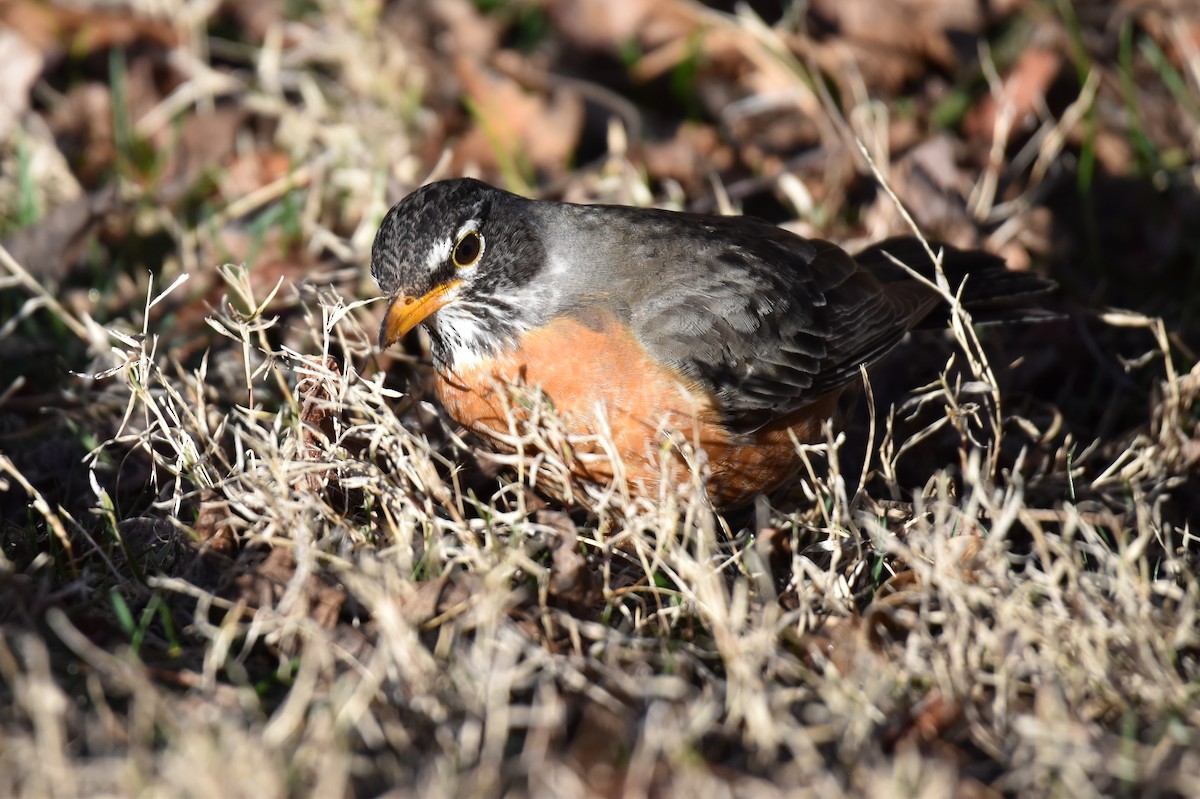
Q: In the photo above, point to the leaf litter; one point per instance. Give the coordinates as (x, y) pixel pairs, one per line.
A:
(245, 553)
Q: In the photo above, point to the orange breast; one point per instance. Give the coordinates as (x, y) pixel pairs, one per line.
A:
(599, 377)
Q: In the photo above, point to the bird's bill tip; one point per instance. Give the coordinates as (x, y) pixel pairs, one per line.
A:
(404, 312)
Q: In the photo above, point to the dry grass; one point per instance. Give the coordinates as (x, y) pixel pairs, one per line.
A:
(317, 587)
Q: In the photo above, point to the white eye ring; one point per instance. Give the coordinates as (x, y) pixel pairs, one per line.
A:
(468, 249)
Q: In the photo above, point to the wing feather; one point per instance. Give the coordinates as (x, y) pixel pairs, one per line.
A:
(768, 322)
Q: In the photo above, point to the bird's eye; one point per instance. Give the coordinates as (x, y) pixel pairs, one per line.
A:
(467, 249)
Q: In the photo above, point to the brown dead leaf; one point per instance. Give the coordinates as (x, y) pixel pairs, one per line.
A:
(218, 564)
(1173, 24)
(216, 526)
(925, 724)
(51, 246)
(213, 542)
(597, 748)
(891, 42)
(606, 26)
(448, 594)
(1024, 91)
(1114, 151)
(897, 584)
(251, 171)
(56, 29)
(254, 20)
(512, 126)
(204, 143)
(82, 123)
(467, 31)
(933, 188)
(840, 642)
(572, 579)
(691, 156)
(767, 138)
(515, 127)
(967, 551)
(266, 582)
(733, 62)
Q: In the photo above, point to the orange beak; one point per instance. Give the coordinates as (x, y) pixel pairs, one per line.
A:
(404, 313)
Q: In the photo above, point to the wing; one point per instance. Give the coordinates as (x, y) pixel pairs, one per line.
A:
(768, 322)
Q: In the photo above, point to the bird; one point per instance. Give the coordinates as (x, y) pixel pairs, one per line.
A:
(640, 323)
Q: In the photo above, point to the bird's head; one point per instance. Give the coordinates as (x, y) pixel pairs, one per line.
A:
(459, 256)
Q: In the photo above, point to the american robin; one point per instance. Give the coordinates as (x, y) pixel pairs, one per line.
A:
(633, 321)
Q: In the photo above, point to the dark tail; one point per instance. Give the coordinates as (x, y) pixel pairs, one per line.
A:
(993, 293)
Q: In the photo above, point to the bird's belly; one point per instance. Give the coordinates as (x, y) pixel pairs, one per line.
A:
(610, 395)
